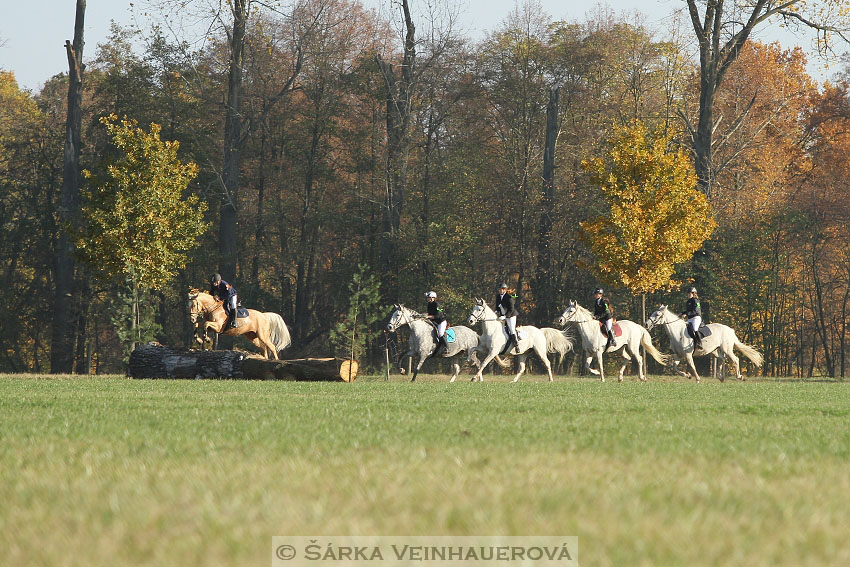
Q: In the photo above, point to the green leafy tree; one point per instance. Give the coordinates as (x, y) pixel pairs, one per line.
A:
(138, 224)
(655, 218)
(354, 329)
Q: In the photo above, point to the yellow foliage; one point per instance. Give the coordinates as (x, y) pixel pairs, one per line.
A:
(656, 217)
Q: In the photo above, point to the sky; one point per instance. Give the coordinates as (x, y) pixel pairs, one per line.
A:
(33, 33)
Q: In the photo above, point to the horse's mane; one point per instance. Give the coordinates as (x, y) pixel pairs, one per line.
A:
(583, 310)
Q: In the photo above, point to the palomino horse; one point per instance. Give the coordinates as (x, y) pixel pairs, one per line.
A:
(421, 343)
(719, 344)
(267, 331)
(593, 341)
(493, 340)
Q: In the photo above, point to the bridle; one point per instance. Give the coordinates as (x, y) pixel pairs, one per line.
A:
(194, 312)
(661, 319)
(407, 317)
(480, 318)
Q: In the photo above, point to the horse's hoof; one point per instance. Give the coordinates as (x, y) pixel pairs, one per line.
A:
(401, 370)
(619, 379)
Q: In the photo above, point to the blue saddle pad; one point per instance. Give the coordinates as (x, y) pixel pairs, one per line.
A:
(241, 312)
(450, 335)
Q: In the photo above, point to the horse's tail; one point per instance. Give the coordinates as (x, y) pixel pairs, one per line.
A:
(557, 341)
(278, 333)
(646, 342)
(752, 354)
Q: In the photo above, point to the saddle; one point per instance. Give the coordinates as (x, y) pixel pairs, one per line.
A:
(615, 328)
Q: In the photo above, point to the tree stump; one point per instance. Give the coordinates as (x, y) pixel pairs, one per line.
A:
(301, 369)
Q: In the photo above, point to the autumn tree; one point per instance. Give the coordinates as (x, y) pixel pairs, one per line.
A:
(654, 217)
(138, 224)
(721, 30)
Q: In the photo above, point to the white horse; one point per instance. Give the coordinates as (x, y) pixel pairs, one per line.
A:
(493, 340)
(593, 341)
(719, 344)
(421, 343)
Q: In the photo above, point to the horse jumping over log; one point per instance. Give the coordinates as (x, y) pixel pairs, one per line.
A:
(720, 343)
(267, 331)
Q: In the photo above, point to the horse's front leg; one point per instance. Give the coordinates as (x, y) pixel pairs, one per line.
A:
(587, 366)
(402, 369)
(602, 365)
(691, 366)
(478, 375)
(422, 359)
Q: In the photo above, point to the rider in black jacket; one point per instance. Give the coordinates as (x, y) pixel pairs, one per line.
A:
(602, 312)
(505, 307)
(435, 314)
(227, 294)
(694, 314)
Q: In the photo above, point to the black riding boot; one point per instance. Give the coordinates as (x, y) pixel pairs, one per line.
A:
(515, 341)
(442, 345)
(231, 321)
(610, 335)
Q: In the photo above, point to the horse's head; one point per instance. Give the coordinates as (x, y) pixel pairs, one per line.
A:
(479, 312)
(401, 316)
(657, 317)
(568, 314)
(197, 304)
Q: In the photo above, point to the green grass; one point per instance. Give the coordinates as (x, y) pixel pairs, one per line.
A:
(110, 471)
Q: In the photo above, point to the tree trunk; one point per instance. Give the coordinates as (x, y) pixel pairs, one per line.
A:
(62, 343)
(399, 94)
(232, 141)
(544, 293)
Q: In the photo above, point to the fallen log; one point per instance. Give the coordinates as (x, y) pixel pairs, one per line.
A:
(301, 369)
(153, 360)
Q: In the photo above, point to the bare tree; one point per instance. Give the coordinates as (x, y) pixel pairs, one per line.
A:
(64, 328)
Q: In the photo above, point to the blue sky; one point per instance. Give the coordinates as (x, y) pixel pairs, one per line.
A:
(34, 32)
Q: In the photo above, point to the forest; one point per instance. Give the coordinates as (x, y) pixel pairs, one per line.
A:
(347, 160)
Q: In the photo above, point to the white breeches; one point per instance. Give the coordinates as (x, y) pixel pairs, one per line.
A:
(609, 324)
(510, 323)
(441, 328)
(695, 323)
(232, 303)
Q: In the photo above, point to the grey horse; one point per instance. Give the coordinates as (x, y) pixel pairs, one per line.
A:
(422, 345)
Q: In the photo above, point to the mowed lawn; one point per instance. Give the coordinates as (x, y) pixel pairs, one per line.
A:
(111, 471)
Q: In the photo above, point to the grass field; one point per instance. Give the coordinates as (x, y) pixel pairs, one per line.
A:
(110, 471)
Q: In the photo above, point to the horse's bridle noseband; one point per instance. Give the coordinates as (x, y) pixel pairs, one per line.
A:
(406, 318)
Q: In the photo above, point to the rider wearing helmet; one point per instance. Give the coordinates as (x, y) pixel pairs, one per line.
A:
(436, 315)
(694, 314)
(226, 293)
(505, 308)
(602, 312)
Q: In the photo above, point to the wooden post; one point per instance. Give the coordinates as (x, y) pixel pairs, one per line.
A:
(387, 353)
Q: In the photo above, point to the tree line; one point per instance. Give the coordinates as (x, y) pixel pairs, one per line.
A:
(348, 160)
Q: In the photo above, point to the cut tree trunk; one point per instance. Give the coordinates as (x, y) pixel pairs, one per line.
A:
(153, 360)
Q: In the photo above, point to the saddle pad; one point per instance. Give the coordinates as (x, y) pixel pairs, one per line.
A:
(241, 312)
(704, 331)
(520, 334)
(450, 335)
(616, 328)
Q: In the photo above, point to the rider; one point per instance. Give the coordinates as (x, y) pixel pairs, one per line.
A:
(435, 314)
(694, 314)
(602, 312)
(226, 293)
(506, 310)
